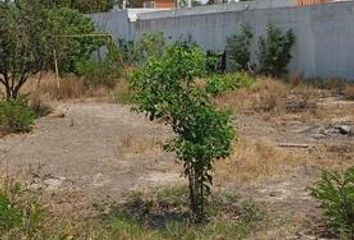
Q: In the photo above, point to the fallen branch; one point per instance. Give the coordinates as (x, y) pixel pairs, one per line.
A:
(293, 145)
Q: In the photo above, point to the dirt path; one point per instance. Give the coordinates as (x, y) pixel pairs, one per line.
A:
(92, 149)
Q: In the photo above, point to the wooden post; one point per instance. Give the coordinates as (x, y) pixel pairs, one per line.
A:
(56, 68)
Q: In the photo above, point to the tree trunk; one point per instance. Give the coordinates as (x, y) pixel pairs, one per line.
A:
(192, 192)
(196, 194)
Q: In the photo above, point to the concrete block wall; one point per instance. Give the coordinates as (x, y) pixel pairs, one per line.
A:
(325, 33)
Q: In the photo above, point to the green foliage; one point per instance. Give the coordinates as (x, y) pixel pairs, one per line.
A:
(335, 192)
(83, 6)
(21, 215)
(149, 45)
(166, 88)
(73, 38)
(274, 50)
(219, 84)
(10, 214)
(238, 49)
(215, 62)
(24, 43)
(16, 116)
(103, 72)
(30, 33)
(99, 74)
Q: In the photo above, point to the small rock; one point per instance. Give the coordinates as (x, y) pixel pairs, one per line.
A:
(53, 183)
(345, 129)
(318, 136)
(35, 186)
(274, 194)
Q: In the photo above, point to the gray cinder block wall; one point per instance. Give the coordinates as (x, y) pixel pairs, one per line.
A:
(325, 33)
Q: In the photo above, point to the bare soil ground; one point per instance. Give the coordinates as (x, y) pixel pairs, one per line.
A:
(99, 151)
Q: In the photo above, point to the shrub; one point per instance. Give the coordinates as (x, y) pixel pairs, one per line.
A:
(219, 84)
(99, 74)
(335, 192)
(215, 62)
(71, 46)
(166, 88)
(149, 45)
(16, 116)
(274, 50)
(238, 49)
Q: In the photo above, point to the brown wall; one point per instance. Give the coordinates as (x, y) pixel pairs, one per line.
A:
(311, 2)
(165, 4)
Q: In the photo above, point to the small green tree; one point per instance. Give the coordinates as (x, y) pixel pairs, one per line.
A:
(275, 50)
(29, 32)
(238, 49)
(335, 192)
(24, 44)
(166, 88)
(72, 38)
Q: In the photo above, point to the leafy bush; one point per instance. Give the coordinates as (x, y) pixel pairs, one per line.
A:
(166, 88)
(16, 116)
(238, 49)
(274, 50)
(335, 192)
(219, 84)
(149, 45)
(98, 74)
(71, 46)
(215, 62)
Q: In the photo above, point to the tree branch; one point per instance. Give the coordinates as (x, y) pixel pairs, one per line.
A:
(20, 83)
(2, 80)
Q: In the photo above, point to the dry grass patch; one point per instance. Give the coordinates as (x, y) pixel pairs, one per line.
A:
(122, 93)
(254, 161)
(49, 88)
(271, 95)
(71, 87)
(349, 91)
(133, 144)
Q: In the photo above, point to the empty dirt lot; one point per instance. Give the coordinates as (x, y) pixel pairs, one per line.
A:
(88, 152)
